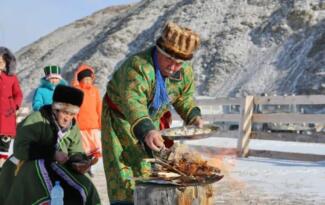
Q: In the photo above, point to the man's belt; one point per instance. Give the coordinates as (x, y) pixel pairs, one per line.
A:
(110, 104)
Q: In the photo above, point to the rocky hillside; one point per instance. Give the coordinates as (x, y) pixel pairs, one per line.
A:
(248, 46)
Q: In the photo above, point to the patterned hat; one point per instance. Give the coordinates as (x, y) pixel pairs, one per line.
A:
(178, 42)
(52, 71)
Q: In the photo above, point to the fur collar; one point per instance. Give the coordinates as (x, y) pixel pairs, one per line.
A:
(11, 65)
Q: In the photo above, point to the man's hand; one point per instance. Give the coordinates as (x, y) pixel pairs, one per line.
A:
(198, 122)
(61, 157)
(154, 140)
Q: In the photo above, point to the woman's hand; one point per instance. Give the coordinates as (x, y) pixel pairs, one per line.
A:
(154, 140)
(61, 157)
(81, 167)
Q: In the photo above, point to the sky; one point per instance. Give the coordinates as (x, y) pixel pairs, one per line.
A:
(24, 21)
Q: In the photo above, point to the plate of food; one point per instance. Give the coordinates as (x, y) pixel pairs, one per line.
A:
(183, 168)
(189, 132)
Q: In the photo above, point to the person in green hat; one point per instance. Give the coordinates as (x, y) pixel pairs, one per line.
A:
(43, 94)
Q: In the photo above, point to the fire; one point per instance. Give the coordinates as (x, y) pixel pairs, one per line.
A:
(225, 160)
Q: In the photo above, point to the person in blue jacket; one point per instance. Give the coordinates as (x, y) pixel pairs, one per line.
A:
(43, 94)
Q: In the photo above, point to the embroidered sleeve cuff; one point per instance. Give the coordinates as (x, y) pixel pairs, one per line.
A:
(194, 113)
(142, 127)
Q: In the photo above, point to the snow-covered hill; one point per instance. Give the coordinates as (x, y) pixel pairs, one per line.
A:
(248, 46)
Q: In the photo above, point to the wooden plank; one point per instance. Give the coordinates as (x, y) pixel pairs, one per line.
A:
(213, 151)
(286, 155)
(245, 126)
(219, 101)
(222, 117)
(289, 137)
(289, 118)
(233, 134)
(295, 100)
(270, 100)
(320, 73)
(216, 118)
(275, 117)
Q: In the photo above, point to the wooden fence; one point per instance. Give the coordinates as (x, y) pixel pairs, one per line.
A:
(248, 116)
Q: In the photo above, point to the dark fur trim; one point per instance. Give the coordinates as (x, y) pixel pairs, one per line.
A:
(10, 60)
(68, 94)
(84, 73)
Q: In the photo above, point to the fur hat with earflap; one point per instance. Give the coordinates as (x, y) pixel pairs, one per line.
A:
(67, 98)
(83, 70)
(85, 73)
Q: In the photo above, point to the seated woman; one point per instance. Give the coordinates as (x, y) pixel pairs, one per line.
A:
(46, 142)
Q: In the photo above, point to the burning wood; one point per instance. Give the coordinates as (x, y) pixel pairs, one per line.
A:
(197, 169)
(185, 168)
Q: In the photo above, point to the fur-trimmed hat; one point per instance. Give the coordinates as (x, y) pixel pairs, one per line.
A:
(178, 42)
(67, 98)
(85, 73)
(52, 71)
(10, 60)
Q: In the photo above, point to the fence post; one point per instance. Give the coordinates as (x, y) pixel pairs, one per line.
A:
(245, 126)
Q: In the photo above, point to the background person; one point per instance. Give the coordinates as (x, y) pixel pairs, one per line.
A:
(89, 117)
(44, 93)
(10, 101)
(47, 141)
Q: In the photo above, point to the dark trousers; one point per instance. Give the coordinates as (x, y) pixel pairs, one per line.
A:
(4, 146)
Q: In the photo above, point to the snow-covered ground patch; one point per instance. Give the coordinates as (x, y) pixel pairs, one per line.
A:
(271, 181)
(256, 180)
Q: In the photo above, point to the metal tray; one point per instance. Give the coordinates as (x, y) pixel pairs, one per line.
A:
(178, 182)
(175, 133)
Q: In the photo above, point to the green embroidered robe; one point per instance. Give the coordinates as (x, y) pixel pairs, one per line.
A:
(132, 89)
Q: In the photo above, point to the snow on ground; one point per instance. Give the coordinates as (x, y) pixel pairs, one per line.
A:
(271, 181)
(263, 181)
(256, 180)
(260, 181)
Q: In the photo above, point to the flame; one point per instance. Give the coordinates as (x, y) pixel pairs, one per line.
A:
(225, 160)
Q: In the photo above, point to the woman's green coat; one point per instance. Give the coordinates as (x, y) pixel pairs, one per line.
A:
(30, 180)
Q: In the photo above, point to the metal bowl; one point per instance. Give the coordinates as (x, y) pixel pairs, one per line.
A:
(189, 132)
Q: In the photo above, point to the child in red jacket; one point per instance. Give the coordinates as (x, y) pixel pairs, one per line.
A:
(89, 117)
(10, 101)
